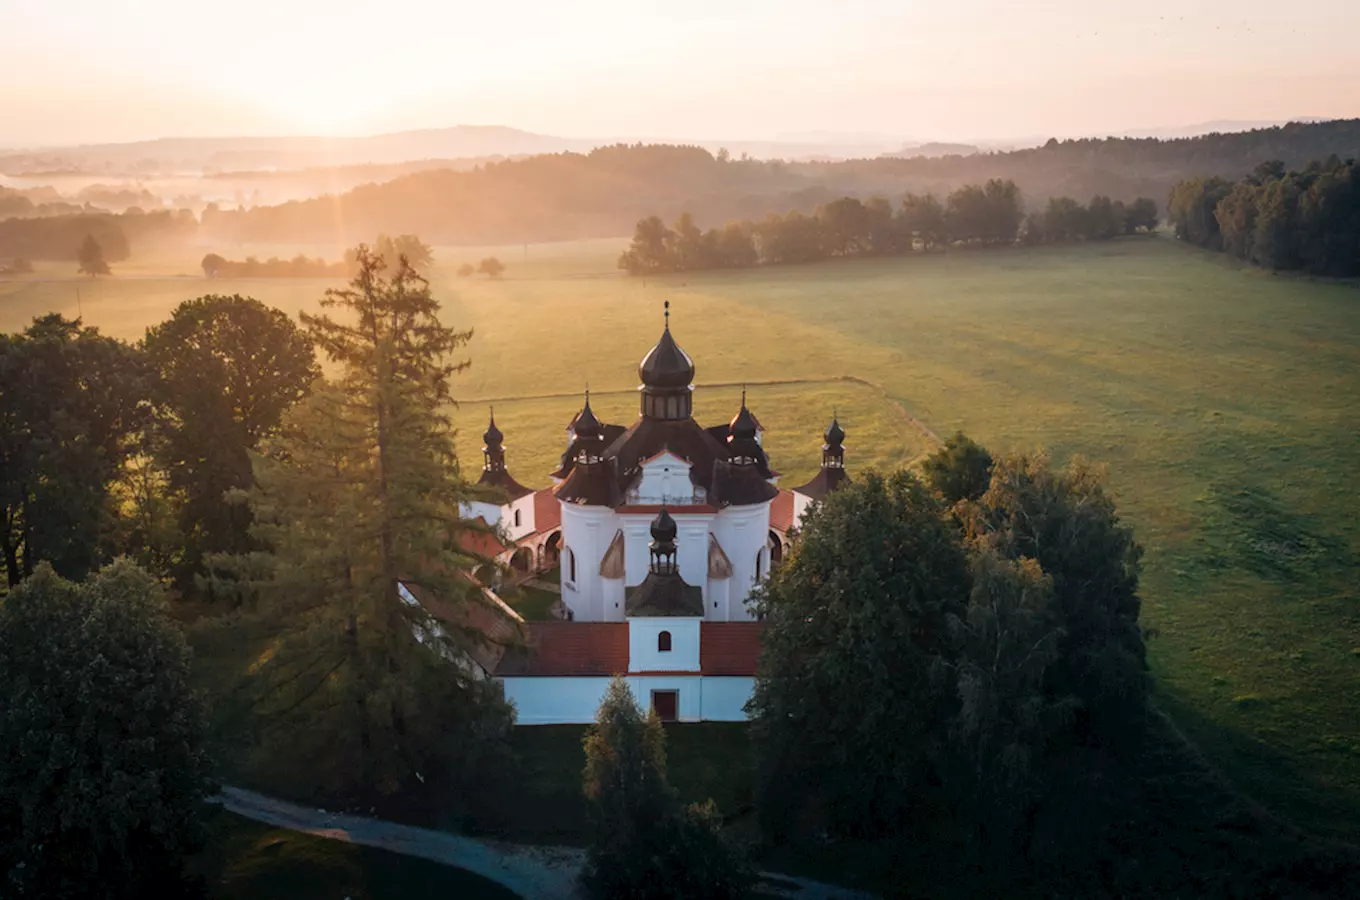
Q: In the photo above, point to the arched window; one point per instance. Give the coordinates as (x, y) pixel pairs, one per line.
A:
(516, 518)
(663, 642)
(760, 558)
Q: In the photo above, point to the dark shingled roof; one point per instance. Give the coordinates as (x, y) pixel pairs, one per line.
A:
(591, 484)
(501, 479)
(826, 480)
(663, 595)
(739, 485)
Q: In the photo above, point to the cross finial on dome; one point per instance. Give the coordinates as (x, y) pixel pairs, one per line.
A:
(667, 307)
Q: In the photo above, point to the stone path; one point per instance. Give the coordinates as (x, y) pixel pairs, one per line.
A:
(535, 873)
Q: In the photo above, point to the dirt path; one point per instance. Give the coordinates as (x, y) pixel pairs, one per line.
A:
(535, 873)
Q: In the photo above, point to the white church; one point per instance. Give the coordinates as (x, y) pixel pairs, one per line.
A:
(661, 529)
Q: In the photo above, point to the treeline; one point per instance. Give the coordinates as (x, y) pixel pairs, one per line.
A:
(38, 203)
(605, 192)
(990, 214)
(1289, 220)
(59, 237)
(300, 266)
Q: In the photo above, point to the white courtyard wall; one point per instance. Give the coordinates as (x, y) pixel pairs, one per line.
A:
(574, 700)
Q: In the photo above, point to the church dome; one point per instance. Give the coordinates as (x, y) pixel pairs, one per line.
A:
(492, 437)
(664, 528)
(743, 425)
(587, 426)
(834, 433)
(666, 365)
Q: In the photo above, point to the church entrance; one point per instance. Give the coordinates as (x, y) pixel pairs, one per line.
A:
(666, 705)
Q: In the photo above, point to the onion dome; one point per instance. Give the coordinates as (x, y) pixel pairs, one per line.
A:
(666, 365)
(492, 437)
(587, 426)
(835, 435)
(743, 425)
(664, 528)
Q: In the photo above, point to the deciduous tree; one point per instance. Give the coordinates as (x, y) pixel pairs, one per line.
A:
(960, 470)
(103, 771)
(71, 408)
(91, 258)
(852, 698)
(228, 368)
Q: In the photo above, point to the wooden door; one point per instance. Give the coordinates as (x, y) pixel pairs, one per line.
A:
(666, 705)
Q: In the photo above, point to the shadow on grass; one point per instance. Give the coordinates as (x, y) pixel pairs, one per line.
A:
(1266, 776)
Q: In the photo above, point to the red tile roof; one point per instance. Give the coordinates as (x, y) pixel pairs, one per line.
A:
(572, 648)
(480, 543)
(729, 648)
(547, 511)
(781, 511)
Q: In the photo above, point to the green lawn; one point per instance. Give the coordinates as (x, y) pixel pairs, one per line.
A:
(1224, 402)
(245, 860)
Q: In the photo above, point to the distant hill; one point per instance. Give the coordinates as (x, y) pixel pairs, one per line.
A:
(255, 153)
(933, 149)
(604, 192)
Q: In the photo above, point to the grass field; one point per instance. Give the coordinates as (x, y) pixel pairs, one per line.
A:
(1224, 402)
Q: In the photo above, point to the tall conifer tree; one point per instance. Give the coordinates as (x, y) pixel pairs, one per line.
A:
(359, 500)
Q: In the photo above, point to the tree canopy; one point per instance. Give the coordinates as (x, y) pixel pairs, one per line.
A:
(646, 845)
(91, 258)
(103, 770)
(71, 407)
(851, 696)
(357, 501)
(227, 369)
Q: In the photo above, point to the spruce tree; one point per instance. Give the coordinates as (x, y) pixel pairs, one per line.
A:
(646, 845)
(358, 499)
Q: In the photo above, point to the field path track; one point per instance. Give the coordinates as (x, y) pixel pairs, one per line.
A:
(765, 382)
(533, 872)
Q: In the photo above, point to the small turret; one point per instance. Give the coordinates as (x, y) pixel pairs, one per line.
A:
(493, 449)
(664, 531)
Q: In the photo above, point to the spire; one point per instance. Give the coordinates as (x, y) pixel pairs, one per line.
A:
(664, 531)
(589, 434)
(833, 451)
(666, 373)
(743, 447)
(493, 450)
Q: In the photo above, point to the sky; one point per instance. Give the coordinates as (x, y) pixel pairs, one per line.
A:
(89, 71)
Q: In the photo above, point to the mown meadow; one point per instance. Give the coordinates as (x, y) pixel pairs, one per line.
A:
(1223, 401)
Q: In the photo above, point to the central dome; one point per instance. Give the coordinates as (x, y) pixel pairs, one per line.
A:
(666, 365)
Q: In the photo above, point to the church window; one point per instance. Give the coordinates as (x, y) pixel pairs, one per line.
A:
(571, 564)
(759, 556)
(663, 642)
(516, 518)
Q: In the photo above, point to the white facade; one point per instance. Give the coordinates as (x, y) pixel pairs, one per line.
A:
(574, 700)
(516, 517)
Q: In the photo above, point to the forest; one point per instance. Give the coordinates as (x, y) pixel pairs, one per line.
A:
(606, 191)
(1306, 220)
(986, 215)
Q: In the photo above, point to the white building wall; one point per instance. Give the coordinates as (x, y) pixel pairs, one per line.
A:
(586, 532)
(489, 513)
(742, 532)
(643, 655)
(800, 504)
(612, 593)
(574, 700)
(525, 507)
(723, 698)
(717, 606)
